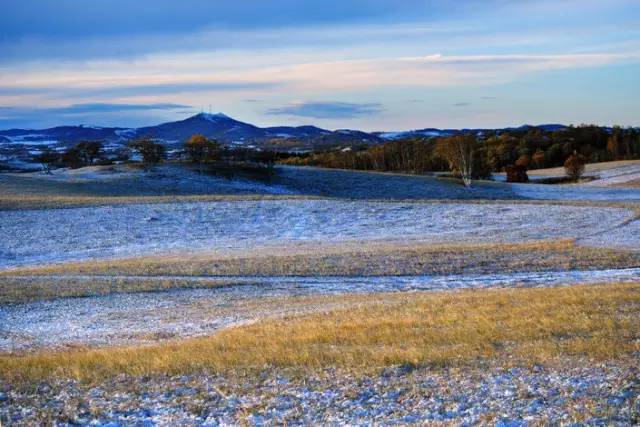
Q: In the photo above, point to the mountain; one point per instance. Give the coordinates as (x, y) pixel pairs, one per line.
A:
(18, 146)
(218, 126)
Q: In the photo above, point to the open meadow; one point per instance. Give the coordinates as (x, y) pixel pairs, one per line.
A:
(319, 213)
(319, 296)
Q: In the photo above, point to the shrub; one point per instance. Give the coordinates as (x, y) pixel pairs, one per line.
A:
(574, 165)
(516, 173)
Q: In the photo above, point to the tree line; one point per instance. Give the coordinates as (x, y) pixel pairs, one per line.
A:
(467, 155)
(476, 155)
(198, 149)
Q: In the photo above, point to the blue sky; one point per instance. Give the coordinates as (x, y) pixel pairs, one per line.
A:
(366, 64)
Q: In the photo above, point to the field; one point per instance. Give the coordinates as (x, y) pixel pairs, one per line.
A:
(623, 173)
(320, 296)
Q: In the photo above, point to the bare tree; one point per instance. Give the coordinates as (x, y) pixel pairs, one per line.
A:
(458, 151)
(89, 151)
(152, 153)
(47, 158)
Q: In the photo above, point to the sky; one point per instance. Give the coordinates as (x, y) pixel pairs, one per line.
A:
(373, 65)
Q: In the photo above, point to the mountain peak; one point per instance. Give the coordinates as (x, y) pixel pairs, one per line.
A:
(212, 117)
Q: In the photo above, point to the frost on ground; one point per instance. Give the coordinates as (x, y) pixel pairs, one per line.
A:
(605, 174)
(140, 318)
(143, 317)
(583, 393)
(39, 236)
(625, 173)
(574, 192)
(376, 185)
(125, 181)
(595, 394)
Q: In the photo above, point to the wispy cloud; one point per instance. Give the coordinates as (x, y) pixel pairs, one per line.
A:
(93, 108)
(57, 54)
(90, 113)
(461, 104)
(108, 89)
(228, 73)
(327, 110)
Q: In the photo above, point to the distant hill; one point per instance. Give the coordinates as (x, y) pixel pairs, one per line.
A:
(19, 145)
(218, 126)
(430, 132)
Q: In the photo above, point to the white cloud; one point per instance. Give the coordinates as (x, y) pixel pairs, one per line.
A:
(202, 72)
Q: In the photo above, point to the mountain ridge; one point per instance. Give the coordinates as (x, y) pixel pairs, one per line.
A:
(227, 128)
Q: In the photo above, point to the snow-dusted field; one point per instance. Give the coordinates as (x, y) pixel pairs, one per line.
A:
(617, 176)
(176, 180)
(606, 174)
(574, 192)
(40, 236)
(32, 237)
(121, 180)
(143, 317)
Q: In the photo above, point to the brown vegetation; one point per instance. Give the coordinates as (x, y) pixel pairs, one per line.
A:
(574, 166)
(496, 150)
(437, 329)
(371, 259)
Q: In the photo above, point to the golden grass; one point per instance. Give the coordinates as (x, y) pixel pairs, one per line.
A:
(370, 258)
(435, 329)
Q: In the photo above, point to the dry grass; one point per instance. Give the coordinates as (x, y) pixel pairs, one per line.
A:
(629, 184)
(591, 168)
(26, 289)
(370, 259)
(436, 329)
(44, 201)
(36, 200)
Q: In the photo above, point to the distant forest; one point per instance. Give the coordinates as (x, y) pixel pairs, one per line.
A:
(533, 148)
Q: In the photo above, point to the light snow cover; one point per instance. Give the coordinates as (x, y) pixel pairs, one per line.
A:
(617, 176)
(132, 318)
(604, 174)
(213, 117)
(165, 180)
(36, 142)
(39, 236)
(574, 192)
(21, 138)
(126, 133)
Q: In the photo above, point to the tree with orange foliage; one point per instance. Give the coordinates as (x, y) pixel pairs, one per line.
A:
(574, 165)
(201, 150)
